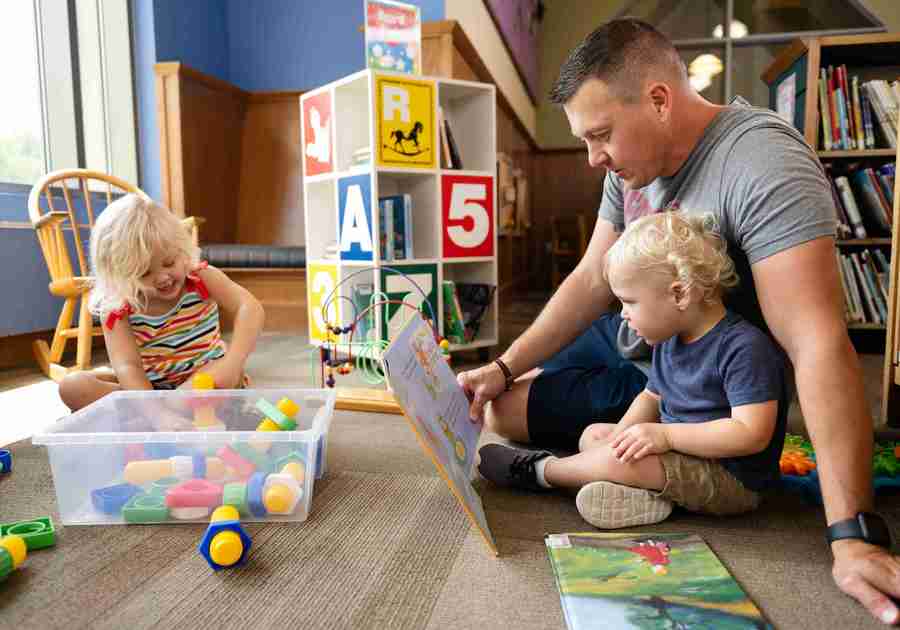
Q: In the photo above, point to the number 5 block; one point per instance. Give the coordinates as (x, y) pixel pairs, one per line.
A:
(467, 211)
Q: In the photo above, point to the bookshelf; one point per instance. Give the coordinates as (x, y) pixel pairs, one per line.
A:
(452, 211)
(797, 70)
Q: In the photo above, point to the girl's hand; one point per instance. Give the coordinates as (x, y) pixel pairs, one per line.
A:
(647, 438)
(226, 373)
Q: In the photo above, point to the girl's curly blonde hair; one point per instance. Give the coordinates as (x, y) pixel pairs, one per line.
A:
(686, 247)
(124, 240)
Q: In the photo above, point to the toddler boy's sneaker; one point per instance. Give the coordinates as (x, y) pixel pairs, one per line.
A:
(609, 505)
(511, 467)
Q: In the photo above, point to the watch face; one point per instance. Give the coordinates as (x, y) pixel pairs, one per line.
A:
(875, 529)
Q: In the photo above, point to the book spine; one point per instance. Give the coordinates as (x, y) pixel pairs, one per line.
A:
(872, 313)
(843, 186)
(856, 298)
(408, 226)
(824, 114)
(867, 119)
(835, 118)
(877, 295)
(848, 109)
(857, 116)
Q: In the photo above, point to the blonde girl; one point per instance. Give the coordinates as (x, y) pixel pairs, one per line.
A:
(158, 304)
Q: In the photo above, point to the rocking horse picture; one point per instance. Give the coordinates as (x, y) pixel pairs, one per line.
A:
(398, 138)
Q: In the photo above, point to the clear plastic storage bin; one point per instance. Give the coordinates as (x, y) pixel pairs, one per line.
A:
(174, 456)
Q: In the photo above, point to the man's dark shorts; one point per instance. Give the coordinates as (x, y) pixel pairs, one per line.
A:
(586, 382)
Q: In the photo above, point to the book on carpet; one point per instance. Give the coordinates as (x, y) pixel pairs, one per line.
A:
(629, 580)
(438, 412)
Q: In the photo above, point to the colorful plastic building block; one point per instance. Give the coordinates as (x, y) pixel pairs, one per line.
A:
(281, 493)
(205, 418)
(255, 494)
(37, 533)
(242, 466)
(111, 499)
(5, 461)
(194, 493)
(281, 414)
(146, 508)
(235, 494)
(182, 466)
(13, 552)
(225, 543)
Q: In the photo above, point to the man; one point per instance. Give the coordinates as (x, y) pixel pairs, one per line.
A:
(626, 94)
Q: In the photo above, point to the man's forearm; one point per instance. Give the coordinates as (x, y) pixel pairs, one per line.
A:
(580, 299)
(829, 384)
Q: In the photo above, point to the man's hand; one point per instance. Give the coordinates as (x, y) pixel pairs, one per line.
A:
(646, 438)
(481, 386)
(870, 575)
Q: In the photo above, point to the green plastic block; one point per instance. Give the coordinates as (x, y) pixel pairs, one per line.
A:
(6, 564)
(37, 533)
(262, 462)
(161, 485)
(274, 413)
(146, 508)
(236, 494)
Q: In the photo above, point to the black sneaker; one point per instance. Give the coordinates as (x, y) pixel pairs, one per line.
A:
(511, 467)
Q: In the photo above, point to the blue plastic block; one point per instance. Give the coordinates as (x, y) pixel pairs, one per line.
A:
(5, 461)
(111, 499)
(254, 494)
(199, 466)
(215, 528)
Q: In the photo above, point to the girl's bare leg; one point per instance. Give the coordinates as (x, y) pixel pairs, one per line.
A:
(80, 389)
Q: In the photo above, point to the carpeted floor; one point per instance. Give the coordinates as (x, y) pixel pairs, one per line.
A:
(385, 546)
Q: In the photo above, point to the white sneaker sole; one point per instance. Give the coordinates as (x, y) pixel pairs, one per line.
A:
(609, 505)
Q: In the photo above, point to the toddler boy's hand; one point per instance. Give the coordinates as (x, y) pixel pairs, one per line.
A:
(647, 438)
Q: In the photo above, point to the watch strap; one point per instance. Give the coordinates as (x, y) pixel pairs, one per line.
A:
(507, 373)
(865, 526)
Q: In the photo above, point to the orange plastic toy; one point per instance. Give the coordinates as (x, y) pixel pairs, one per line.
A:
(796, 463)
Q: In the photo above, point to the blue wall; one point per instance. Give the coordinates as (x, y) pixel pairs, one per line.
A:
(195, 32)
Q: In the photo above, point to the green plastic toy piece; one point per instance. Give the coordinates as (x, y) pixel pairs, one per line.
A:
(146, 508)
(37, 533)
(160, 486)
(6, 564)
(236, 494)
(275, 415)
(262, 462)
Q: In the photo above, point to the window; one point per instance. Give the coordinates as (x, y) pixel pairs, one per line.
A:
(70, 101)
(21, 122)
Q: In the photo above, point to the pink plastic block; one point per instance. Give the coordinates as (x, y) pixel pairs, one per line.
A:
(243, 467)
(194, 493)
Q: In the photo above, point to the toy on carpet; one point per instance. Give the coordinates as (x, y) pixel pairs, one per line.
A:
(368, 355)
(13, 552)
(5, 461)
(37, 533)
(225, 544)
(799, 474)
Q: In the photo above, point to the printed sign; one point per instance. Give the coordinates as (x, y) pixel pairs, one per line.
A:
(320, 282)
(393, 37)
(405, 117)
(467, 211)
(355, 216)
(317, 147)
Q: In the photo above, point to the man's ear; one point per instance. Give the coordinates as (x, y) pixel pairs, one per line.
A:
(660, 99)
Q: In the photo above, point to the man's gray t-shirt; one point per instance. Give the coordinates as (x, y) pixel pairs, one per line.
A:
(757, 176)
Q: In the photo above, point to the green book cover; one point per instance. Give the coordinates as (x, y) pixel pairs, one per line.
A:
(627, 580)
(454, 329)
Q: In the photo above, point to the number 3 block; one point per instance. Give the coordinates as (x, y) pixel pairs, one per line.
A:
(467, 211)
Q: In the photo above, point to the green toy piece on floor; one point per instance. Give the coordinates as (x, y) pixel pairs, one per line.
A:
(37, 533)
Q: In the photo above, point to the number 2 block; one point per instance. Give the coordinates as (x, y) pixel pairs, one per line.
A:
(467, 215)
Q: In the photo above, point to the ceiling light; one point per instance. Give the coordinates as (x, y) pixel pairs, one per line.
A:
(700, 83)
(738, 30)
(707, 65)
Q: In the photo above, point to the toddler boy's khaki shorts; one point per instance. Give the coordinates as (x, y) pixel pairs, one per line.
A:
(704, 485)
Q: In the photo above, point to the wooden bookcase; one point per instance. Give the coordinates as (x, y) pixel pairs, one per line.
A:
(874, 56)
(454, 231)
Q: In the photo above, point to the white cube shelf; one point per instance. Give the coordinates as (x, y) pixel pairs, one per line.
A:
(375, 134)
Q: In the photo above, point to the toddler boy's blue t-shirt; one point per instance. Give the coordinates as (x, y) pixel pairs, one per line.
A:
(733, 364)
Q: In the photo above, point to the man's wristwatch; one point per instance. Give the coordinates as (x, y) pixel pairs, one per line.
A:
(865, 526)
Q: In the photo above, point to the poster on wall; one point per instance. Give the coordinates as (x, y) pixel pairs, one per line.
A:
(393, 36)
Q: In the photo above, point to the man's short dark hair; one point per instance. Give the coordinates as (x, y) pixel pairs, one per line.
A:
(619, 53)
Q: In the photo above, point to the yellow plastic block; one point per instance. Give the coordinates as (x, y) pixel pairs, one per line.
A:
(148, 470)
(226, 548)
(215, 469)
(288, 407)
(224, 513)
(16, 547)
(205, 416)
(295, 470)
(281, 493)
(268, 425)
(202, 380)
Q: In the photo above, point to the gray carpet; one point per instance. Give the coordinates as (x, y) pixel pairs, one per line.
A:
(386, 546)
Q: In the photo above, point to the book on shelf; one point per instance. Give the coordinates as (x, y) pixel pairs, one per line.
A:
(454, 326)
(864, 199)
(396, 227)
(446, 160)
(856, 114)
(873, 203)
(474, 300)
(850, 207)
(865, 279)
(451, 144)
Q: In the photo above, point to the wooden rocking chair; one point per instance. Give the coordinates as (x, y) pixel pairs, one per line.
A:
(52, 227)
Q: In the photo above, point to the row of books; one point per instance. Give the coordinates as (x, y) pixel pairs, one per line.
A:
(465, 304)
(865, 278)
(854, 114)
(864, 199)
(450, 158)
(396, 227)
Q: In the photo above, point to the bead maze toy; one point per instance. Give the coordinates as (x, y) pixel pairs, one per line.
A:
(340, 355)
(799, 474)
(225, 544)
(13, 552)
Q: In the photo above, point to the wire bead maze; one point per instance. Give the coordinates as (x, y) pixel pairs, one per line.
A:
(368, 355)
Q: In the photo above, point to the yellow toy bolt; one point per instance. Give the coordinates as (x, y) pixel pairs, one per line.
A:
(13, 552)
(225, 543)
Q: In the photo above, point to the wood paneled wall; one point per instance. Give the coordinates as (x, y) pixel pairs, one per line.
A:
(230, 156)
